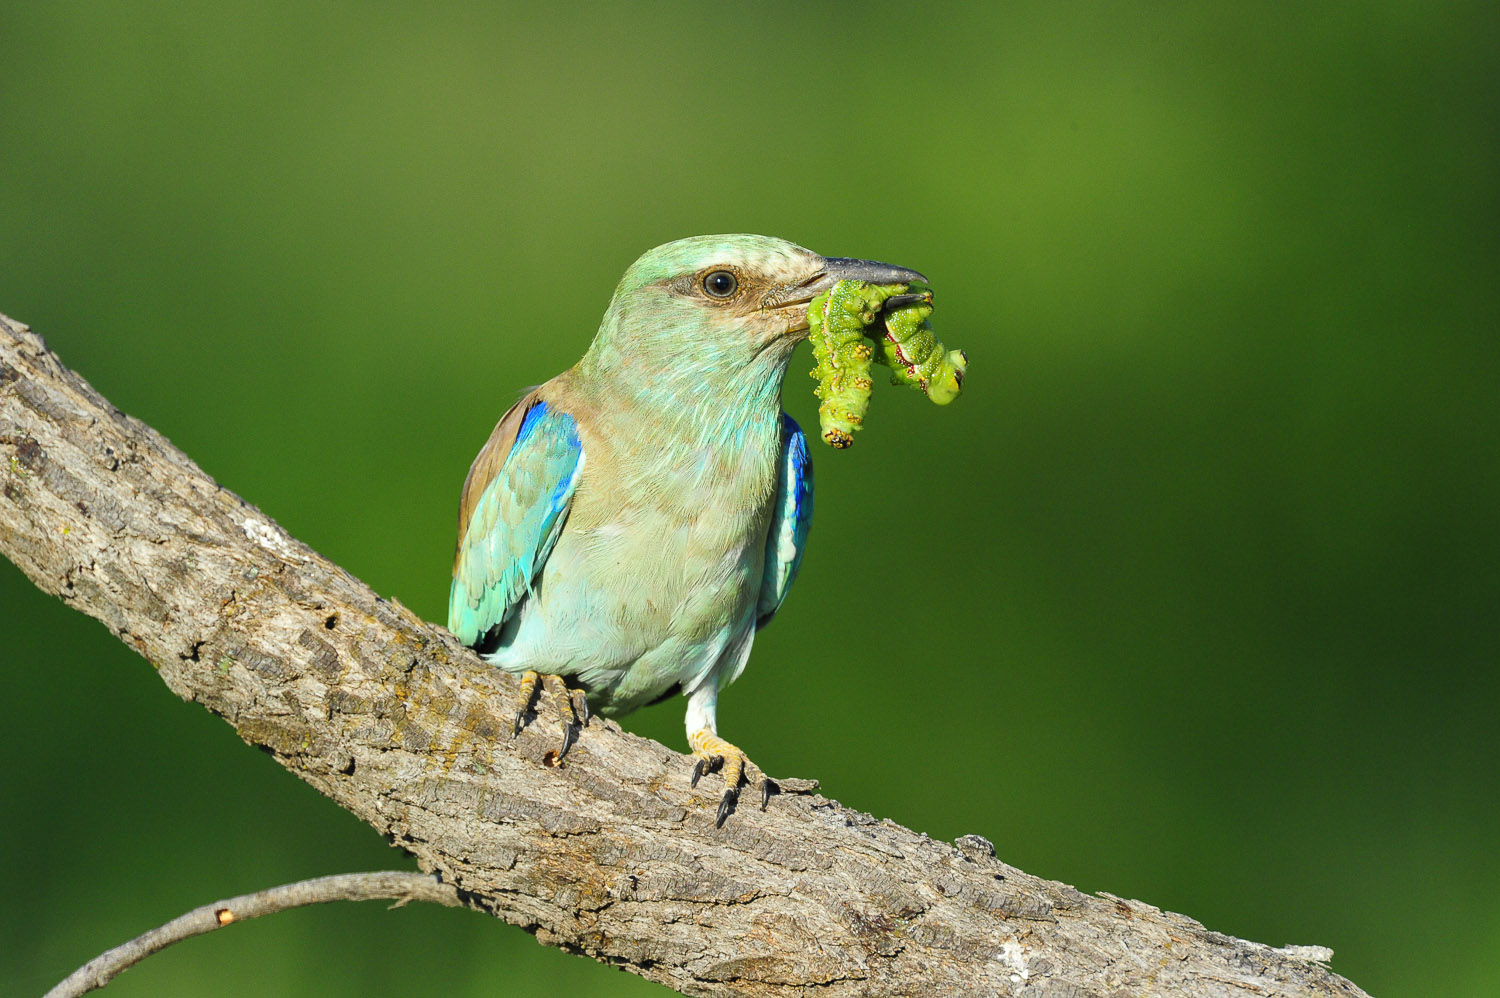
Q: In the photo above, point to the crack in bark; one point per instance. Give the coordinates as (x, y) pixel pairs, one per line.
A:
(611, 855)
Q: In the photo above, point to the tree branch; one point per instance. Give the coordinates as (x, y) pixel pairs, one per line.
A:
(398, 885)
(609, 854)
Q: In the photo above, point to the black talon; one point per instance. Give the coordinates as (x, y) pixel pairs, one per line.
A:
(699, 768)
(765, 793)
(516, 730)
(567, 733)
(726, 806)
(581, 707)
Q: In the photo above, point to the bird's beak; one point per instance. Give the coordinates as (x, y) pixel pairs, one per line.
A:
(841, 268)
(835, 269)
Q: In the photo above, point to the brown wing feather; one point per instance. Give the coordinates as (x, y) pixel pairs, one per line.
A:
(490, 460)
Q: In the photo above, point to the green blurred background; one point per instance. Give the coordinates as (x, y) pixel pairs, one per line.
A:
(1204, 605)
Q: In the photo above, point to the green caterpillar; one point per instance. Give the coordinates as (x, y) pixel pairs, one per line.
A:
(916, 356)
(836, 325)
(839, 322)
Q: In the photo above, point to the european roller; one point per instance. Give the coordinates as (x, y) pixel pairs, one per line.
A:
(632, 523)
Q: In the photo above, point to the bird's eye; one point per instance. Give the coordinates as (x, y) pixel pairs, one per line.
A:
(720, 284)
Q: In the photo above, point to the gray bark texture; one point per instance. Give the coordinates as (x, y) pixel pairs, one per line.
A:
(609, 854)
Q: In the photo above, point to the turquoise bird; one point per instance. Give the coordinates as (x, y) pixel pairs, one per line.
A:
(633, 522)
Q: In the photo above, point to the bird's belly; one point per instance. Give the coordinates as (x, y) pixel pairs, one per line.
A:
(638, 606)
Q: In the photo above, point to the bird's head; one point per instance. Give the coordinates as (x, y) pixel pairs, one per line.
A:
(727, 300)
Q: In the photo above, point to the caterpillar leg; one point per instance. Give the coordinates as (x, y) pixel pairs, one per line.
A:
(712, 751)
(576, 716)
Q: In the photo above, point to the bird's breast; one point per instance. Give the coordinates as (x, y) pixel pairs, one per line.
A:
(676, 534)
(659, 566)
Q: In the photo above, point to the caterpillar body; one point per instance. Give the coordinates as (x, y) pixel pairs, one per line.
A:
(915, 355)
(839, 324)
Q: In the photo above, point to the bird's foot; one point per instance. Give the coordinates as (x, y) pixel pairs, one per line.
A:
(712, 751)
(576, 717)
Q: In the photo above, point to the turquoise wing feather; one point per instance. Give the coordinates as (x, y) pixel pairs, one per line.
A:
(787, 538)
(515, 520)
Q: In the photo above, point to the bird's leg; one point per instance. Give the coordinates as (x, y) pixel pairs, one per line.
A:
(577, 715)
(578, 705)
(712, 751)
(524, 700)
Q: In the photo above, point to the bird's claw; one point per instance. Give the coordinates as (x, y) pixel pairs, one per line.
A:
(727, 805)
(576, 717)
(713, 752)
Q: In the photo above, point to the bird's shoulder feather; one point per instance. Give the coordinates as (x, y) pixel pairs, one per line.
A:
(514, 505)
(490, 459)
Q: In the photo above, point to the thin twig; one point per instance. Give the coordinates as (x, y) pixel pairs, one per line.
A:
(397, 885)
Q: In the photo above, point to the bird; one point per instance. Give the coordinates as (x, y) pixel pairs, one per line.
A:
(631, 524)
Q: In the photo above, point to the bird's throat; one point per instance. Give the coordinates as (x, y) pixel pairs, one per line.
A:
(705, 398)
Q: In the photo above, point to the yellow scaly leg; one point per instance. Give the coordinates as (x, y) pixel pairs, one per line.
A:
(711, 750)
(578, 705)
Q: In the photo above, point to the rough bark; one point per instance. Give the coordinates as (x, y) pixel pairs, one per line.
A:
(609, 854)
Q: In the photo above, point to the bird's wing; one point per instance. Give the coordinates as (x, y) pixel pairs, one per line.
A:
(515, 502)
(787, 538)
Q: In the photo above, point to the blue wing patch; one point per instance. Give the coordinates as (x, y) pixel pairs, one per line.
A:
(787, 538)
(515, 522)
